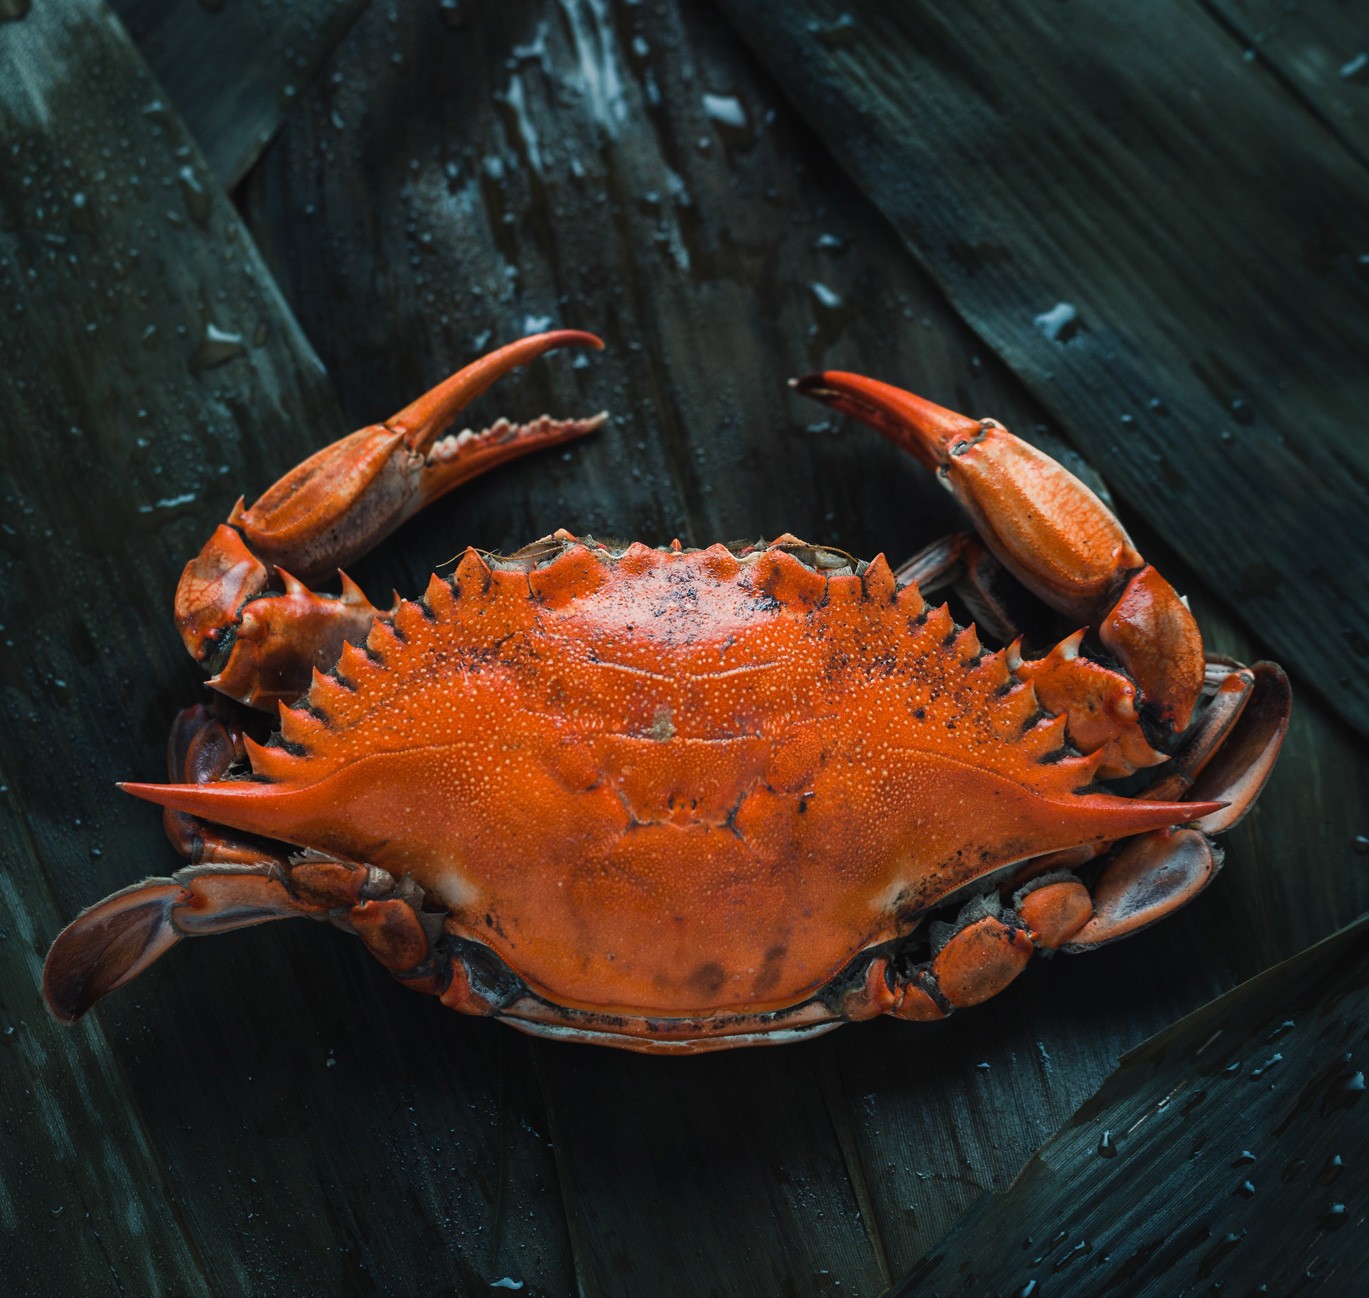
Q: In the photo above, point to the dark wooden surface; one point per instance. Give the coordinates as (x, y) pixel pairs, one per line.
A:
(234, 68)
(267, 1112)
(1237, 1126)
(1129, 161)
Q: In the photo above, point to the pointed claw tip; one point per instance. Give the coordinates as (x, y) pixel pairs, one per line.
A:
(920, 426)
(422, 421)
(553, 338)
(1201, 810)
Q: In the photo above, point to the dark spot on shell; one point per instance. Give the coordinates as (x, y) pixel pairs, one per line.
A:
(709, 977)
(770, 970)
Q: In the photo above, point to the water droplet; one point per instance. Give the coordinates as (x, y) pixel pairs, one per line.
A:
(1246, 1189)
(1334, 1217)
(830, 243)
(836, 34)
(1217, 1253)
(1357, 69)
(169, 507)
(197, 200)
(1060, 323)
(1081, 1249)
(1243, 1159)
(825, 296)
(1106, 1149)
(1360, 843)
(217, 347)
(1343, 1096)
(726, 110)
(1330, 1169)
(82, 215)
(1027, 1290)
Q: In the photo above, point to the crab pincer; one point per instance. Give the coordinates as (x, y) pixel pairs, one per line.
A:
(1046, 528)
(1051, 532)
(242, 606)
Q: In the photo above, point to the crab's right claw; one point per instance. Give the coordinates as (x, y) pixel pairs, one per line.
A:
(1048, 529)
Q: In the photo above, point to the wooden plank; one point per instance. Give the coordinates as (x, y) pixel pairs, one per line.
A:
(943, 1115)
(82, 1197)
(261, 1112)
(307, 1126)
(1124, 161)
(1234, 1150)
(234, 68)
(1321, 51)
(694, 246)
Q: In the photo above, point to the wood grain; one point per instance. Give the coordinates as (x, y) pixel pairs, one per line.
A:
(234, 68)
(221, 1128)
(267, 1112)
(1229, 1152)
(1319, 51)
(1127, 162)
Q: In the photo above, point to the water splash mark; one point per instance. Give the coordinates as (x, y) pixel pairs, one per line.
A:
(1060, 323)
(600, 81)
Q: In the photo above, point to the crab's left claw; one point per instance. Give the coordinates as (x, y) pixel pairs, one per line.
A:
(242, 607)
(1049, 530)
(346, 498)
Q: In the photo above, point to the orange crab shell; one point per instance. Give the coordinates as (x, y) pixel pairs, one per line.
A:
(672, 783)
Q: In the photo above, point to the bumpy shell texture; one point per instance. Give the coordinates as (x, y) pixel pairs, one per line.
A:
(674, 782)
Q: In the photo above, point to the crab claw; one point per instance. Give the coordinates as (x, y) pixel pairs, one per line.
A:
(1048, 529)
(242, 606)
(347, 497)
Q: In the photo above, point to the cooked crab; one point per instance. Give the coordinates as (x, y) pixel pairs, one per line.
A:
(673, 799)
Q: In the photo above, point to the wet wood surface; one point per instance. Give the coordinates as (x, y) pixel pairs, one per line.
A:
(1237, 1126)
(1163, 244)
(1320, 52)
(233, 73)
(267, 1112)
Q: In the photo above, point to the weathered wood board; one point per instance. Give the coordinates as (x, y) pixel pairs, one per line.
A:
(1227, 1153)
(1320, 51)
(1161, 242)
(267, 1112)
(233, 68)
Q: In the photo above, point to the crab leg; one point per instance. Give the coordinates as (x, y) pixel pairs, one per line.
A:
(961, 560)
(1049, 530)
(116, 939)
(200, 749)
(242, 607)
(1226, 758)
